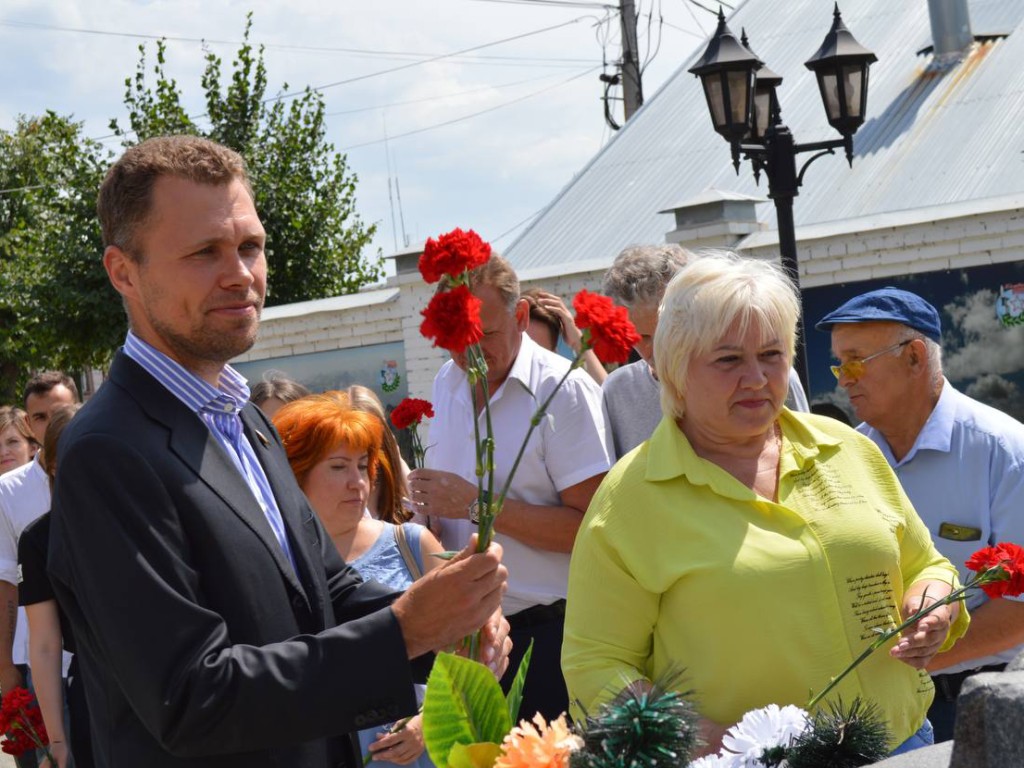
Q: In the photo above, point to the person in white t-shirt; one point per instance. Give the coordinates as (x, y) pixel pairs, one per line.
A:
(24, 497)
(564, 463)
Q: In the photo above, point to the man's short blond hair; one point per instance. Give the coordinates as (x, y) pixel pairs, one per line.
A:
(703, 300)
(496, 273)
(126, 196)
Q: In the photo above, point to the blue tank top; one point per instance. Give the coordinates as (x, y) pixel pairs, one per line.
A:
(383, 562)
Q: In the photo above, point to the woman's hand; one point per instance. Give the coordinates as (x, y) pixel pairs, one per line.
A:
(921, 641)
(401, 747)
(59, 750)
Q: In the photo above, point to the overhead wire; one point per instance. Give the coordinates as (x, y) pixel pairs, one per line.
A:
(438, 97)
(429, 60)
(463, 118)
(367, 52)
(358, 78)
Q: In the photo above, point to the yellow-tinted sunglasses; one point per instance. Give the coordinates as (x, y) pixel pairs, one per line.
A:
(854, 369)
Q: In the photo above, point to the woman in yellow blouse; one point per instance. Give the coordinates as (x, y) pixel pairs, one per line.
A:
(752, 546)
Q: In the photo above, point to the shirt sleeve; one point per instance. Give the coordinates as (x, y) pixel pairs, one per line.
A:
(8, 545)
(575, 444)
(608, 631)
(35, 586)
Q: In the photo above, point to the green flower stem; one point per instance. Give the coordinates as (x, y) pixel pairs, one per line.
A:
(995, 573)
(419, 453)
(477, 366)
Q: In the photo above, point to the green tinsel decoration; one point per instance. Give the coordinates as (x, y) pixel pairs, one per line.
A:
(841, 737)
(640, 729)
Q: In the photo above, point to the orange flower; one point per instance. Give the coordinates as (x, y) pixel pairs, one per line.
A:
(540, 746)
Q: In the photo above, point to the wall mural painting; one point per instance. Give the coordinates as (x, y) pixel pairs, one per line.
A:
(381, 367)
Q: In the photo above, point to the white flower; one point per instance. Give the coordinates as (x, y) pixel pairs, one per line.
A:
(762, 729)
(721, 760)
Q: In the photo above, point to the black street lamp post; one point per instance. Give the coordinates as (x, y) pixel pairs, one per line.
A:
(744, 107)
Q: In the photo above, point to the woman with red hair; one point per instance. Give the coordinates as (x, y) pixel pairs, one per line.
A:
(336, 452)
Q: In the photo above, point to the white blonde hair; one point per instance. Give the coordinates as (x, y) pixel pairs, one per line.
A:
(707, 296)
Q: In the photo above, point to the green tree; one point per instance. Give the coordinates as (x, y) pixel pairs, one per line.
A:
(305, 193)
(57, 309)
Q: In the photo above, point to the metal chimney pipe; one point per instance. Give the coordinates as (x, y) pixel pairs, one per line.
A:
(951, 26)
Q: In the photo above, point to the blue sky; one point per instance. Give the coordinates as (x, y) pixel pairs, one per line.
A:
(524, 115)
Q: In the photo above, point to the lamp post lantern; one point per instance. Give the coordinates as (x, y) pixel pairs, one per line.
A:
(741, 95)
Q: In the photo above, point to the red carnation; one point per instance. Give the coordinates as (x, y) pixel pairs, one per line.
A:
(452, 319)
(452, 254)
(1010, 559)
(410, 412)
(21, 724)
(612, 335)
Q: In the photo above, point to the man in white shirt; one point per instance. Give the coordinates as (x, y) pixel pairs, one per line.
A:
(558, 473)
(24, 496)
(960, 462)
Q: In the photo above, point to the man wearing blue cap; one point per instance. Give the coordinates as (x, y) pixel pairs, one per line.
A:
(960, 462)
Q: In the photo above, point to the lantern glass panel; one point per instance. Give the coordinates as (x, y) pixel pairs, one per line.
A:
(829, 93)
(853, 83)
(716, 99)
(739, 95)
(762, 110)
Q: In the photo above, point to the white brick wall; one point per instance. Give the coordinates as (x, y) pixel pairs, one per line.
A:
(876, 249)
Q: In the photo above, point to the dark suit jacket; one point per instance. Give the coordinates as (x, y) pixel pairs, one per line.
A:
(199, 644)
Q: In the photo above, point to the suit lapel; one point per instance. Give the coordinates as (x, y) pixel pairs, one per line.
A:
(192, 443)
(295, 510)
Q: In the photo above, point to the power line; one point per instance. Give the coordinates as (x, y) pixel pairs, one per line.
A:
(430, 60)
(280, 46)
(554, 3)
(474, 114)
(438, 97)
(513, 228)
(320, 88)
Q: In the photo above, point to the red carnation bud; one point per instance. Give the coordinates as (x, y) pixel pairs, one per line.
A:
(612, 335)
(411, 411)
(452, 320)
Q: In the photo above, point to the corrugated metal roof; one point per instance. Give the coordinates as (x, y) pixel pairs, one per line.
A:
(932, 137)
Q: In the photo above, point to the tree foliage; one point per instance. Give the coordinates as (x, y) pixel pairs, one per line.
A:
(57, 309)
(305, 193)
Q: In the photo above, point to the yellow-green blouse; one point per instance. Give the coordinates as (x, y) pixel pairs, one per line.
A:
(679, 565)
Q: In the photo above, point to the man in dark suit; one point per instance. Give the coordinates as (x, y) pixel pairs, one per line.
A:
(215, 623)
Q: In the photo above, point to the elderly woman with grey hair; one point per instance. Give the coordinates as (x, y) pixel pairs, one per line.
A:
(754, 546)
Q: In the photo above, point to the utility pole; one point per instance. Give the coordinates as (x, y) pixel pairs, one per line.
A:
(632, 89)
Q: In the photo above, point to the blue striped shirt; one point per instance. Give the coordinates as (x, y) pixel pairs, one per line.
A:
(219, 407)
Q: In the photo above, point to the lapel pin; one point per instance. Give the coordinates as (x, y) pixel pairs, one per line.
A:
(263, 439)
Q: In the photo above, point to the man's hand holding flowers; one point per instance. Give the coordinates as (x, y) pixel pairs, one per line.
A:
(456, 600)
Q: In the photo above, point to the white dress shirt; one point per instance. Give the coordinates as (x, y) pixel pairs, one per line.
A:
(24, 497)
(565, 449)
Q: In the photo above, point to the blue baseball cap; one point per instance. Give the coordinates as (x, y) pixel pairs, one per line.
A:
(887, 304)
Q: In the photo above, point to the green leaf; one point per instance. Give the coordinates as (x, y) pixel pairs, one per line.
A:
(464, 705)
(480, 755)
(514, 700)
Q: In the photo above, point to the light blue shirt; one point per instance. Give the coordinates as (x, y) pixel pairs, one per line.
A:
(966, 468)
(220, 408)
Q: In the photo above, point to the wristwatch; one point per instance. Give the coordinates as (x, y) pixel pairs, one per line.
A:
(473, 509)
